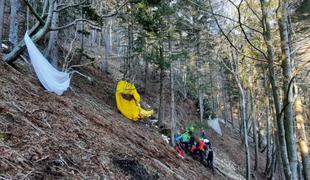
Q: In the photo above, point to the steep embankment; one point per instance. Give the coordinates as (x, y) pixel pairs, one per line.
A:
(78, 135)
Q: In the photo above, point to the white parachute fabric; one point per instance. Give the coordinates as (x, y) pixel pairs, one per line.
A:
(53, 80)
(215, 125)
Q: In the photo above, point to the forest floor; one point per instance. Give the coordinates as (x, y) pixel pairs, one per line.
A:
(81, 135)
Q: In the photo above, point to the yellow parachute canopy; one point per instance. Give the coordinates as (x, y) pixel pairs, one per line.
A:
(128, 101)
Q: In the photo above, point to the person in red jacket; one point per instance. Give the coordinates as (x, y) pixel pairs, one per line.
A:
(199, 149)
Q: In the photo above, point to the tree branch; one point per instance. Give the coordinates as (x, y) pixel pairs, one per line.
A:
(116, 11)
(252, 10)
(299, 68)
(34, 12)
(14, 54)
(227, 38)
(68, 6)
(72, 24)
(220, 15)
(287, 94)
(243, 31)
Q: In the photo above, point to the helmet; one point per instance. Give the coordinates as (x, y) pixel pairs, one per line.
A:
(206, 140)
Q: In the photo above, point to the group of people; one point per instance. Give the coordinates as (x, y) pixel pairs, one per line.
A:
(198, 146)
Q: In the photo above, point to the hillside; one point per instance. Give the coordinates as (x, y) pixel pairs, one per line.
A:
(80, 135)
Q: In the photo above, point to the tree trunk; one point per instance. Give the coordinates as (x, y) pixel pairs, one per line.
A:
(268, 123)
(253, 102)
(14, 22)
(173, 118)
(146, 72)
(287, 89)
(198, 77)
(173, 121)
(28, 19)
(240, 112)
(224, 95)
(231, 111)
(128, 59)
(273, 81)
(302, 138)
(52, 50)
(82, 29)
(211, 89)
(14, 54)
(106, 37)
(226, 119)
(2, 4)
(245, 134)
(161, 98)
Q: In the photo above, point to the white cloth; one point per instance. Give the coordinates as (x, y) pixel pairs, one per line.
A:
(53, 80)
(215, 125)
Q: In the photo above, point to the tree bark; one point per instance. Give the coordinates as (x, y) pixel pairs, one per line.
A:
(302, 138)
(52, 50)
(14, 22)
(287, 89)
(2, 7)
(273, 81)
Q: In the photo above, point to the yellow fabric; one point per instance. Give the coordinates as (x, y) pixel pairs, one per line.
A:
(130, 108)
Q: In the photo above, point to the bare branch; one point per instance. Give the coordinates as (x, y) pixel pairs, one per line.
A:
(116, 11)
(72, 24)
(68, 6)
(252, 10)
(228, 39)
(14, 54)
(34, 12)
(299, 68)
(255, 30)
(220, 15)
(244, 33)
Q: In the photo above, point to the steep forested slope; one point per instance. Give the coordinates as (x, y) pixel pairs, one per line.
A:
(45, 136)
(81, 135)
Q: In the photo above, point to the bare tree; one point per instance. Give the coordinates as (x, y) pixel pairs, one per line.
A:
(274, 85)
(287, 88)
